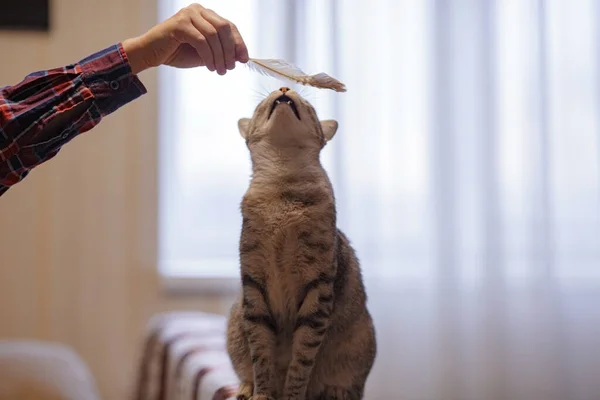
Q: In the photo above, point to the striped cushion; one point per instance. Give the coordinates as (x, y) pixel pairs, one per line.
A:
(185, 358)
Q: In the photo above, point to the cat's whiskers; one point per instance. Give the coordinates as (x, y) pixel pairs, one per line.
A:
(266, 90)
(258, 95)
(311, 95)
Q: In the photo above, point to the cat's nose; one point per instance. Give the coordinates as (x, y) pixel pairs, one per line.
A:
(284, 89)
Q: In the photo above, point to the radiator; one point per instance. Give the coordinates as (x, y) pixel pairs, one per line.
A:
(185, 358)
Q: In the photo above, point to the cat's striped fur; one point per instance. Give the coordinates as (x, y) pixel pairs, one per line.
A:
(300, 329)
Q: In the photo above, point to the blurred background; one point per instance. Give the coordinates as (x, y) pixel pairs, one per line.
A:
(466, 171)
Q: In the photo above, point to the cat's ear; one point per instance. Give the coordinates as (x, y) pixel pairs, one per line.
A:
(329, 128)
(244, 126)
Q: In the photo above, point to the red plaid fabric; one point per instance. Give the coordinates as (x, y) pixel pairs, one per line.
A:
(49, 108)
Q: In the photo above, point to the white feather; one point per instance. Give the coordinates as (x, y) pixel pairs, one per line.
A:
(285, 71)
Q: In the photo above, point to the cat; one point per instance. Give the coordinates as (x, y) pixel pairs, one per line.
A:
(300, 328)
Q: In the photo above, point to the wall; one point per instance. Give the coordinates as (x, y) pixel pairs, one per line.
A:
(77, 237)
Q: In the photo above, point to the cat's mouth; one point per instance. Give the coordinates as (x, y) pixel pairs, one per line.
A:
(283, 99)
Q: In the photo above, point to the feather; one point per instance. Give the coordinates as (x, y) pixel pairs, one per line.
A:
(287, 72)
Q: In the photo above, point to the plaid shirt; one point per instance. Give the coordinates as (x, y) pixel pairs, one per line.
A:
(49, 108)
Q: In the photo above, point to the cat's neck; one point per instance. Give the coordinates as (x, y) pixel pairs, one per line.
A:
(273, 164)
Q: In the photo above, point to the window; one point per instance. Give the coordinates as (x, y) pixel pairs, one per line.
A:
(204, 162)
(468, 143)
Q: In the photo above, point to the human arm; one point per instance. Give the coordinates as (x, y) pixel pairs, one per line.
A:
(49, 108)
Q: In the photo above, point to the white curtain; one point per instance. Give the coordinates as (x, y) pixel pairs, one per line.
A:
(467, 174)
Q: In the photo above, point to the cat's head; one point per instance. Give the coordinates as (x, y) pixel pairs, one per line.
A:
(286, 121)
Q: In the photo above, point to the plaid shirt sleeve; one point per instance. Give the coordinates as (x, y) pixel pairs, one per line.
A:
(49, 108)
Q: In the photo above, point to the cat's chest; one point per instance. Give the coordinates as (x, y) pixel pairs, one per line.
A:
(278, 226)
(283, 292)
(285, 275)
(278, 216)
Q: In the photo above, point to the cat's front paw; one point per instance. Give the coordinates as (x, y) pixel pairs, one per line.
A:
(245, 391)
(261, 397)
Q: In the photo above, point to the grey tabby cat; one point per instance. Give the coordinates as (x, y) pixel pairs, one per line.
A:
(301, 329)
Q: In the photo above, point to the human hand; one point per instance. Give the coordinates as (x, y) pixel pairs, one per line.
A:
(193, 37)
